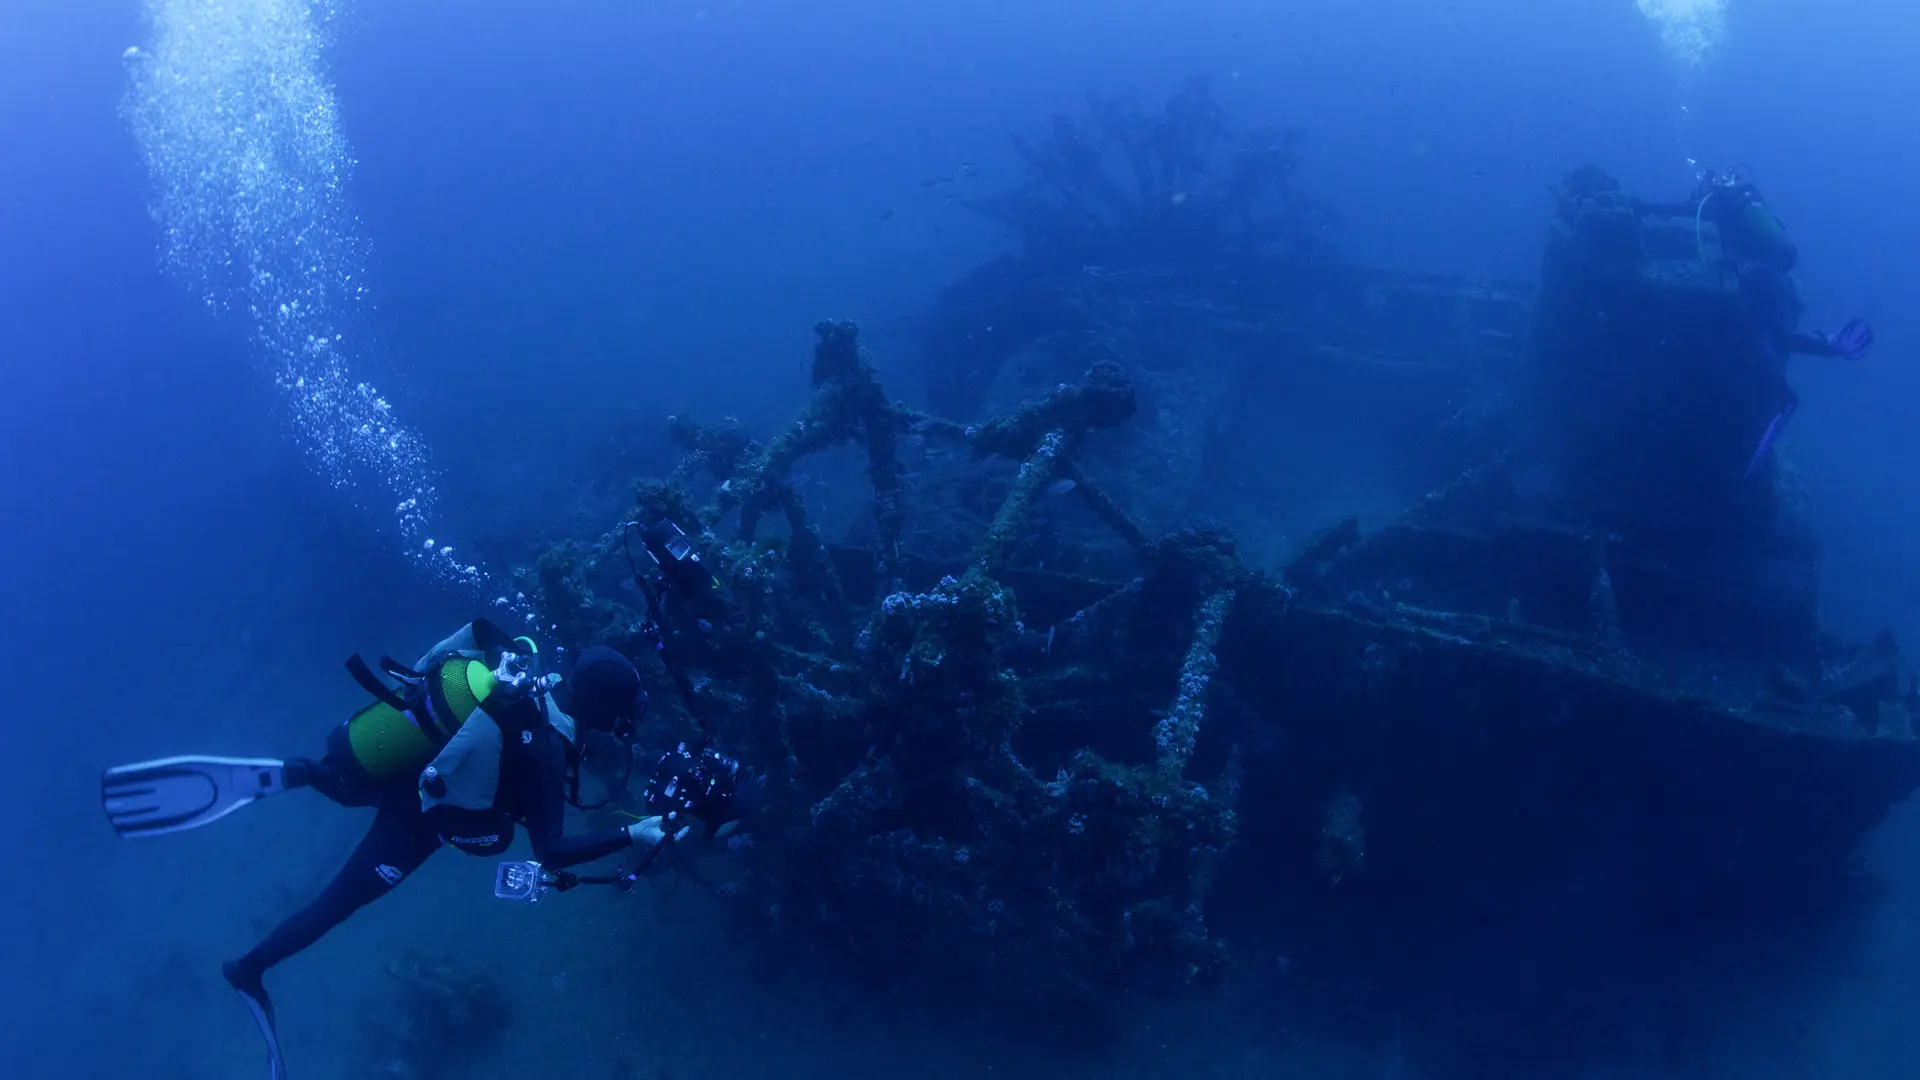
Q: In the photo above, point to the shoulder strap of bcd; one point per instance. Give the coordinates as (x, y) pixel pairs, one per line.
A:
(371, 683)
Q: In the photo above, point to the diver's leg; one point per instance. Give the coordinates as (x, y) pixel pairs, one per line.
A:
(1789, 404)
(399, 841)
(340, 777)
(324, 777)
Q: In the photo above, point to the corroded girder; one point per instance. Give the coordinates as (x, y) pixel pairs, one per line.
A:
(1040, 467)
(1176, 733)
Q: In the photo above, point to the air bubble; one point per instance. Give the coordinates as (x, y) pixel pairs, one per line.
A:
(240, 130)
(1692, 30)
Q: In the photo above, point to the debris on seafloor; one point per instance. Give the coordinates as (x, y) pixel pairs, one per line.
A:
(438, 1022)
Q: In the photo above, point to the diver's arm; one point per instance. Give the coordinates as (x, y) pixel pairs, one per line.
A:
(1803, 344)
(534, 791)
(559, 850)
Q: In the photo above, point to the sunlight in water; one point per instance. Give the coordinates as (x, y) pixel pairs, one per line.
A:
(238, 124)
(1692, 29)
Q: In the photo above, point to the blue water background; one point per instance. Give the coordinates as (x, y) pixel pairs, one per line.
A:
(585, 212)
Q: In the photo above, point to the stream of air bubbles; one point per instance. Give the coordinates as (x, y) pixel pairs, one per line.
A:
(240, 130)
(1692, 30)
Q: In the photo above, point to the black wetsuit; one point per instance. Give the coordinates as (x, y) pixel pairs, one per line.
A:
(1756, 246)
(531, 793)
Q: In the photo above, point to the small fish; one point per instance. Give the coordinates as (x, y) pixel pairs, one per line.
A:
(887, 214)
(1058, 487)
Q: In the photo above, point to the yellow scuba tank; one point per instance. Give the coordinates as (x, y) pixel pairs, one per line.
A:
(401, 731)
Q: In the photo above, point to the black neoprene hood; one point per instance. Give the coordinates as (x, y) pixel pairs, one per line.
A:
(604, 687)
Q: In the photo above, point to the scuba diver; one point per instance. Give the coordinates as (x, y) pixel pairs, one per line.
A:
(1755, 248)
(472, 741)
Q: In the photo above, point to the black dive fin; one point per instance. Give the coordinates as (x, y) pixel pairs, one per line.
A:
(254, 996)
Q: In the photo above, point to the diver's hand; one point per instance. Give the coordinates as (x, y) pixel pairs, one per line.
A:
(1852, 341)
(651, 832)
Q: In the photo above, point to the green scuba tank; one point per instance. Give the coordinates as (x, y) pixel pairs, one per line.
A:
(1763, 237)
(397, 735)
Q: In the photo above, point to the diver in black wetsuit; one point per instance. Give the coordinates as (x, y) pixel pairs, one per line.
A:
(1755, 248)
(528, 787)
(531, 791)
(473, 742)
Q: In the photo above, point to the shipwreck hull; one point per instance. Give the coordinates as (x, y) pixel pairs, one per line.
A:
(1516, 764)
(1535, 858)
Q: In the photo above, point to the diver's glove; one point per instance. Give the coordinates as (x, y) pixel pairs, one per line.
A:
(650, 832)
(1852, 341)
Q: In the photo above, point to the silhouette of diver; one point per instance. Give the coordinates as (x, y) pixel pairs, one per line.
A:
(1755, 248)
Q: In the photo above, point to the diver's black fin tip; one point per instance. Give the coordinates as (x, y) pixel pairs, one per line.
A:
(249, 986)
(253, 993)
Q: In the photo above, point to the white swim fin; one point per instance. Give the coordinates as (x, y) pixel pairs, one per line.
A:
(150, 798)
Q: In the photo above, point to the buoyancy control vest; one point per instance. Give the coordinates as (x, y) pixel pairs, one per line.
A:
(436, 729)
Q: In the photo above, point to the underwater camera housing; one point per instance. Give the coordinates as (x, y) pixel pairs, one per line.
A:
(667, 545)
(682, 574)
(524, 882)
(691, 785)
